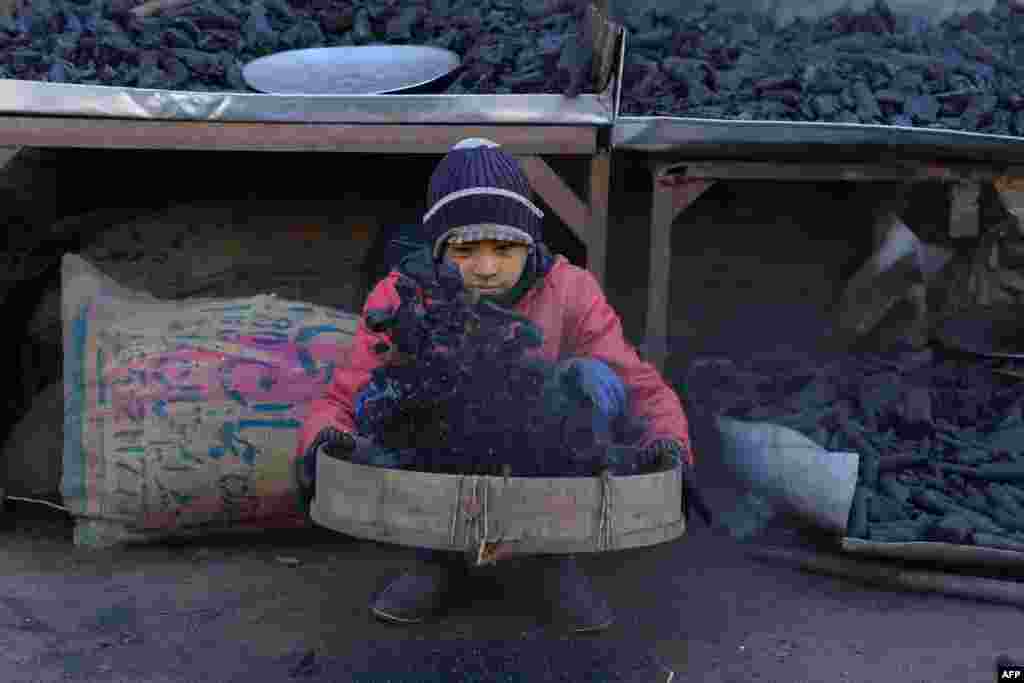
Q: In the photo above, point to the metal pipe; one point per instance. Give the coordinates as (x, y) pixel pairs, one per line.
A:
(887, 575)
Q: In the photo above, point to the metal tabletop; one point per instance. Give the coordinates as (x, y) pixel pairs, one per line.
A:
(691, 138)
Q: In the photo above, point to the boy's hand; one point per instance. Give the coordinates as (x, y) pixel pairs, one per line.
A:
(331, 442)
(671, 451)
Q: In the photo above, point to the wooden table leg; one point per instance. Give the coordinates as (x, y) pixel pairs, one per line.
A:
(672, 195)
(597, 231)
(964, 218)
(546, 182)
(587, 221)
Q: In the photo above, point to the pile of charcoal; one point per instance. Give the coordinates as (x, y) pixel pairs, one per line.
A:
(941, 444)
(459, 393)
(874, 67)
(505, 46)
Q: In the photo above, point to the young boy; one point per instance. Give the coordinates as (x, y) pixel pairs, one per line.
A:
(481, 219)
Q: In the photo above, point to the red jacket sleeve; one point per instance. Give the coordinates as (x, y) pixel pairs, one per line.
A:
(337, 407)
(595, 331)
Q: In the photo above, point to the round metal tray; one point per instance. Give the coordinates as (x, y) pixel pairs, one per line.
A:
(353, 70)
(498, 515)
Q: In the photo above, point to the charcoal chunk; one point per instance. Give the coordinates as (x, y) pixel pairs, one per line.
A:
(187, 26)
(39, 22)
(923, 109)
(280, 9)
(885, 509)
(402, 25)
(550, 46)
(150, 73)
(176, 38)
(108, 75)
(177, 74)
(257, 30)
(492, 54)
(890, 97)
(951, 528)
(60, 72)
(117, 45)
(526, 79)
(65, 46)
(451, 40)
(201, 63)
(1013, 101)
(745, 33)
(210, 15)
(337, 20)
(908, 81)
(233, 73)
(127, 74)
(304, 34)
(825, 106)
(824, 80)
(362, 32)
(658, 38)
(980, 112)
(867, 105)
(693, 77)
(23, 60)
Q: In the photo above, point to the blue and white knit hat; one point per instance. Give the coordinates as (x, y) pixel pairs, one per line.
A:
(479, 192)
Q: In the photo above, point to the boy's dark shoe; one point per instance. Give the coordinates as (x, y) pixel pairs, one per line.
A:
(574, 603)
(419, 594)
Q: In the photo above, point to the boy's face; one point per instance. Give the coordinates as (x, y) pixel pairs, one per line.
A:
(489, 267)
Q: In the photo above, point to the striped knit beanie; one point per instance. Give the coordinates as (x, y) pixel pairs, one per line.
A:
(479, 192)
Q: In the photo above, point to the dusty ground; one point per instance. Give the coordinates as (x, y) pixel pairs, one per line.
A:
(233, 610)
(756, 267)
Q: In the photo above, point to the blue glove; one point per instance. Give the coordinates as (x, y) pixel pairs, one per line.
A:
(599, 383)
(671, 452)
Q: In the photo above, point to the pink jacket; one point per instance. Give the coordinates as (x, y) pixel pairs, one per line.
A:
(576, 320)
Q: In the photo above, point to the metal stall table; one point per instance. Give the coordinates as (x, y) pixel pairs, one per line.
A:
(40, 114)
(686, 157)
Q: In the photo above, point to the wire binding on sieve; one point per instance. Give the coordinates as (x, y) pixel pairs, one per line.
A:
(605, 532)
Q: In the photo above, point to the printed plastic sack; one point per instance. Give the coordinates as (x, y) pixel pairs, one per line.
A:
(182, 416)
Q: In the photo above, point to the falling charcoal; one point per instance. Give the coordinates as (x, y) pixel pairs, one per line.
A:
(474, 399)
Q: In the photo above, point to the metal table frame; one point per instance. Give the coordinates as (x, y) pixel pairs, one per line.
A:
(587, 219)
(679, 183)
(39, 116)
